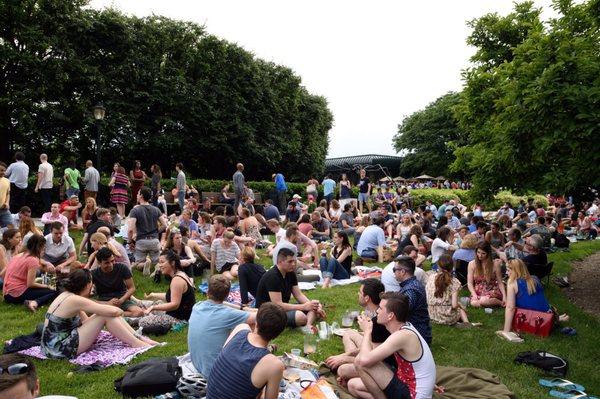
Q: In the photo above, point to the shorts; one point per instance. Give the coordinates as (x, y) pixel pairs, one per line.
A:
(5, 218)
(147, 247)
(291, 318)
(396, 389)
(363, 197)
(227, 267)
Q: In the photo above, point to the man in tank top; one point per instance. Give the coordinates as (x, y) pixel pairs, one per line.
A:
(414, 377)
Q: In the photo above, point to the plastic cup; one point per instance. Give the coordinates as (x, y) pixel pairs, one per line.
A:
(296, 352)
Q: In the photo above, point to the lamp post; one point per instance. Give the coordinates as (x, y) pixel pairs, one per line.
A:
(99, 111)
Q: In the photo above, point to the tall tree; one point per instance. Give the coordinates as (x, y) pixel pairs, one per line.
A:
(532, 119)
(429, 137)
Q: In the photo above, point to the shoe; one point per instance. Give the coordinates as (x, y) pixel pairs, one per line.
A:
(147, 267)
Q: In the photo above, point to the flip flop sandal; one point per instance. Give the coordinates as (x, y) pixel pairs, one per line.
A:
(568, 331)
(572, 394)
(560, 383)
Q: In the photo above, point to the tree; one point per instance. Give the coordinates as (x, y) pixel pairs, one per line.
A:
(428, 137)
(172, 93)
(532, 120)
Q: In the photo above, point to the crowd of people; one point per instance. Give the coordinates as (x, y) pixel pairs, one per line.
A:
(499, 257)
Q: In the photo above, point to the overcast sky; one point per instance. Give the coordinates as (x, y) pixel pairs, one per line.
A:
(375, 62)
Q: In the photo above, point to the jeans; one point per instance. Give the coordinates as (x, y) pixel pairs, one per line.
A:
(328, 197)
(238, 199)
(72, 191)
(46, 194)
(40, 295)
(369, 253)
(5, 218)
(17, 197)
(181, 197)
(281, 204)
(333, 269)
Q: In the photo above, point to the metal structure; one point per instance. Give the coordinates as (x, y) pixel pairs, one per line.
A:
(376, 166)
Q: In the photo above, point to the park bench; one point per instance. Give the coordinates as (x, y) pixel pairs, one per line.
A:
(214, 198)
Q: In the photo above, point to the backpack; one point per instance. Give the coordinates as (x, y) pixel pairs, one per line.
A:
(561, 241)
(150, 378)
(548, 362)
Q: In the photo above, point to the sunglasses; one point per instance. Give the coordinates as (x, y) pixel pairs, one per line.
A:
(15, 369)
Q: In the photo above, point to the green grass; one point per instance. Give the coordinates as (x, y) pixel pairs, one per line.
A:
(452, 347)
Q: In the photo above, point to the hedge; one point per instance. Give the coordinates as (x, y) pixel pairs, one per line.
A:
(267, 190)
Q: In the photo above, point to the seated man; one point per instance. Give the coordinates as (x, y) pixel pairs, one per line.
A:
(321, 227)
(245, 369)
(114, 283)
(388, 276)
(103, 219)
(414, 374)
(372, 240)
(418, 315)
(18, 378)
(279, 283)
(542, 230)
(535, 259)
(54, 216)
(60, 249)
(388, 220)
(23, 214)
(300, 245)
(453, 221)
(69, 209)
(368, 298)
(270, 211)
(211, 322)
(292, 213)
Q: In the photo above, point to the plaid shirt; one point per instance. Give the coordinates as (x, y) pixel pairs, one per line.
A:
(418, 315)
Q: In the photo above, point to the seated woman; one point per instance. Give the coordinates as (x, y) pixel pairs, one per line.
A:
(340, 260)
(250, 226)
(68, 331)
(403, 227)
(464, 255)
(414, 236)
(224, 197)
(304, 225)
(27, 228)
(442, 294)
(88, 213)
(523, 291)
(442, 243)
(249, 274)
(99, 240)
(9, 247)
(183, 251)
(335, 211)
(19, 279)
(225, 255)
(494, 236)
(484, 278)
(179, 299)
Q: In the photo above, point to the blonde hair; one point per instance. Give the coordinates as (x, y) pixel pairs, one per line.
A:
(519, 270)
(248, 254)
(469, 241)
(99, 238)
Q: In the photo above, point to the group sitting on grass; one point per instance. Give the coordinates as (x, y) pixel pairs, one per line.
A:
(92, 288)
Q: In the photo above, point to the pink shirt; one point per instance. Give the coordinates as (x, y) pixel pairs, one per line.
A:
(15, 280)
(48, 218)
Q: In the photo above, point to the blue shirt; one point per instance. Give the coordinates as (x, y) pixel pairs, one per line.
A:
(328, 186)
(536, 301)
(418, 315)
(372, 237)
(271, 212)
(280, 182)
(210, 325)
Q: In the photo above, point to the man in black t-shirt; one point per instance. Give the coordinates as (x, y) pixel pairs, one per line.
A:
(102, 220)
(114, 283)
(368, 298)
(536, 259)
(364, 190)
(279, 284)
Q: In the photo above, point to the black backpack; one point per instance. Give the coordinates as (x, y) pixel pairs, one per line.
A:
(561, 241)
(150, 378)
(548, 362)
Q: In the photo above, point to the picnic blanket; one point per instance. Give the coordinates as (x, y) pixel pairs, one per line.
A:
(234, 293)
(462, 382)
(106, 351)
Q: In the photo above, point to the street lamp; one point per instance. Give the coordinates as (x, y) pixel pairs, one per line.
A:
(99, 111)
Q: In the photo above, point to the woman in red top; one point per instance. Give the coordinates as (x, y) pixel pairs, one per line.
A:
(19, 281)
(138, 178)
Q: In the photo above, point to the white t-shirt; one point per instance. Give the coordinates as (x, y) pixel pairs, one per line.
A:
(280, 235)
(438, 248)
(48, 174)
(389, 280)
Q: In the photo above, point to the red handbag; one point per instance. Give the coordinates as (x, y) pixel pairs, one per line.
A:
(533, 322)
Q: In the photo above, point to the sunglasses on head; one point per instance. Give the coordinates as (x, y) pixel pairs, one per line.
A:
(15, 369)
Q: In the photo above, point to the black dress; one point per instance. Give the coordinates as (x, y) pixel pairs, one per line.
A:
(188, 299)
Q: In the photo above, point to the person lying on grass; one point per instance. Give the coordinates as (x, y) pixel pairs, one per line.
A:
(278, 285)
(414, 374)
(68, 331)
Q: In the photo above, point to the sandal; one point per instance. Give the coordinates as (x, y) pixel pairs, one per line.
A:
(560, 383)
(569, 332)
(572, 394)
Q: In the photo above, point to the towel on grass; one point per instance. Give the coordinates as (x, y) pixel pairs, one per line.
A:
(462, 382)
(106, 351)
(234, 293)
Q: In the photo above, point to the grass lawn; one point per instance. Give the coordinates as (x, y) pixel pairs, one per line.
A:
(452, 347)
